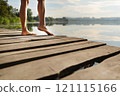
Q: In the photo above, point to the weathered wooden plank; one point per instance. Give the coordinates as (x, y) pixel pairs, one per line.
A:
(8, 38)
(46, 53)
(2, 30)
(10, 32)
(37, 44)
(14, 33)
(20, 37)
(8, 35)
(109, 69)
(29, 37)
(39, 68)
(9, 41)
(47, 48)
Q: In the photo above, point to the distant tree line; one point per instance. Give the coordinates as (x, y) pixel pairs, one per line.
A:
(51, 19)
(94, 19)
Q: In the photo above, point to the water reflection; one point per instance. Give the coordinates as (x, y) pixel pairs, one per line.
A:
(30, 27)
(102, 31)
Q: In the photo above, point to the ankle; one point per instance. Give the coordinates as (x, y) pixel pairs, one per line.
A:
(25, 31)
(42, 26)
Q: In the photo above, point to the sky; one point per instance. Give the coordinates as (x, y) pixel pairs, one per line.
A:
(76, 8)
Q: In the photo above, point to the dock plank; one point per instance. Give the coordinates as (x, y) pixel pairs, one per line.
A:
(21, 37)
(8, 31)
(13, 32)
(2, 34)
(9, 41)
(4, 30)
(5, 60)
(8, 35)
(48, 48)
(54, 65)
(109, 69)
(37, 44)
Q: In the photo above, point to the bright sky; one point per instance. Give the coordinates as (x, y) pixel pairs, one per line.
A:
(76, 8)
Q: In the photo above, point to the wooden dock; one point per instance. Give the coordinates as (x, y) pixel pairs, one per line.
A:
(56, 57)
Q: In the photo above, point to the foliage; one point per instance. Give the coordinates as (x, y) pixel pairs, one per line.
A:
(4, 20)
(36, 18)
(8, 13)
(16, 12)
(61, 19)
(51, 19)
(3, 8)
(29, 15)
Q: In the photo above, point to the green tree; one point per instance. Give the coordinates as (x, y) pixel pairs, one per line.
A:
(49, 19)
(36, 18)
(3, 8)
(15, 12)
(7, 13)
(29, 15)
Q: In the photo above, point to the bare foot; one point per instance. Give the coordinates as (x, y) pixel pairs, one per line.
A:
(45, 30)
(24, 33)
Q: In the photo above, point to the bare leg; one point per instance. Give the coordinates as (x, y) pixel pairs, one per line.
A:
(41, 13)
(23, 17)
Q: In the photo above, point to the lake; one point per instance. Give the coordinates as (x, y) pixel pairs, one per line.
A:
(106, 33)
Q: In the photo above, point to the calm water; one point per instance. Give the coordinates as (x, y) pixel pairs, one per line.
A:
(109, 34)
